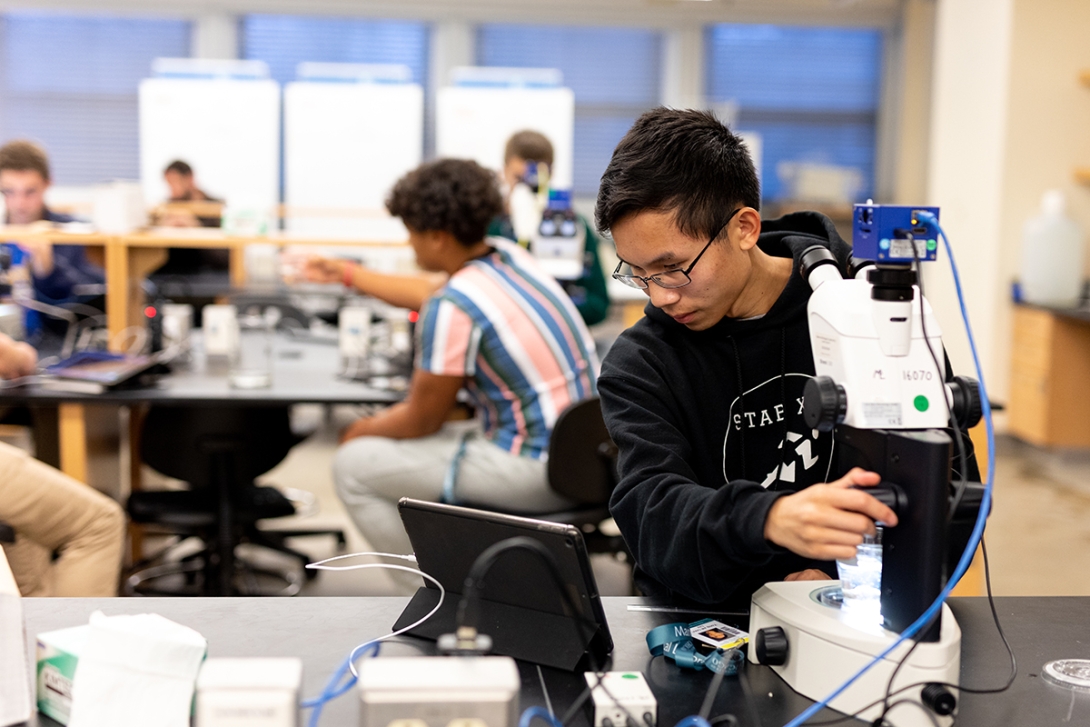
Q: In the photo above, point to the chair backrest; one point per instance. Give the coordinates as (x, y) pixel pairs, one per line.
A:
(582, 457)
(184, 442)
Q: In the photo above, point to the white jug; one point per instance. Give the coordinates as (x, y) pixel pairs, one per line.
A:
(1052, 255)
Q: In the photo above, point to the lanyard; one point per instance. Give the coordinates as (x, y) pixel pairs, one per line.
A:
(675, 641)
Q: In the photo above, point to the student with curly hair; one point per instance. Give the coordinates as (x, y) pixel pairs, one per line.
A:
(494, 324)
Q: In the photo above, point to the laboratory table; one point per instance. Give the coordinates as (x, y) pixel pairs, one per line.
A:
(321, 631)
(304, 372)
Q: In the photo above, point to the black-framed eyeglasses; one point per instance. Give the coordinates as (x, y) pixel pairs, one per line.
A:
(669, 278)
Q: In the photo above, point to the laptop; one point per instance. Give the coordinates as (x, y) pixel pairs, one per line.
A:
(520, 606)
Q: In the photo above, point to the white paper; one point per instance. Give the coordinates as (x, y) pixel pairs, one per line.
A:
(15, 685)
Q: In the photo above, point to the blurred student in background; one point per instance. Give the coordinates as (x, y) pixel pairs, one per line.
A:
(182, 182)
(588, 292)
(57, 271)
(52, 513)
(498, 326)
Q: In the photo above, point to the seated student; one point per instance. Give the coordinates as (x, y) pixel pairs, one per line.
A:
(588, 292)
(56, 269)
(183, 188)
(722, 487)
(499, 327)
(53, 513)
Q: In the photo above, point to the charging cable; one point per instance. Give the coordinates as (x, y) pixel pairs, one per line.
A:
(982, 516)
(332, 690)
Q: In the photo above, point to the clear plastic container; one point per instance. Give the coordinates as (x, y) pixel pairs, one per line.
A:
(252, 362)
(1052, 255)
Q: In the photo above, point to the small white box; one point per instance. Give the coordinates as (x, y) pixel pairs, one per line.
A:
(437, 690)
(354, 327)
(220, 326)
(627, 690)
(259, 692)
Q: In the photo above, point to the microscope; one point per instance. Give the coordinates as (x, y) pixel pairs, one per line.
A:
(881, 388)
(544, 220)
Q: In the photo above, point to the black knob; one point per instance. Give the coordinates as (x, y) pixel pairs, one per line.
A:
(967, 408)
(771, 645)
(824, 403)
(939, 699)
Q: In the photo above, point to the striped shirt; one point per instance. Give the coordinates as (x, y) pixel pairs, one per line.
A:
(511, 331)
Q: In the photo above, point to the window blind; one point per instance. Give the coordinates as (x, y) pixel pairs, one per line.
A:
(812, 93)
(284, 41)
(613, 72)
(70, 83)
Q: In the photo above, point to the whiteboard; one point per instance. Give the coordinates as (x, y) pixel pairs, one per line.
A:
(475, 123)
(345, 145)
(228, 130)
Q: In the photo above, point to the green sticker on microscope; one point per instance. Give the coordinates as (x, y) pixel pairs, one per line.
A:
(921, 403)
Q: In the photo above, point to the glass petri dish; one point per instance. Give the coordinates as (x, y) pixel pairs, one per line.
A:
(1069, 673)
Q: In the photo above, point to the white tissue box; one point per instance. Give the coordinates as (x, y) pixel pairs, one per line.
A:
(258, 692)
(58, 654)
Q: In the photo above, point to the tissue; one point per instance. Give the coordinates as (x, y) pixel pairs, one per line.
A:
(136, 671)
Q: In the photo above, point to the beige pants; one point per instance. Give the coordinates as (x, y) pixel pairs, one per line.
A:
(51, 512)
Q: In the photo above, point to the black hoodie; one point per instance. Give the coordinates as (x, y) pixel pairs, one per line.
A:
(710, 430)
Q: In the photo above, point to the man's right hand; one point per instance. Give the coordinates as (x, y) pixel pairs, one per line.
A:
(16, 358)
(827, 521)
(324, 270)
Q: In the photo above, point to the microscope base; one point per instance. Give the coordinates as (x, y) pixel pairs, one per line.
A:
(824, 649)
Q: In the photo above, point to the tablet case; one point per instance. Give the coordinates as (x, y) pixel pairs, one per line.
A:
(520, 606)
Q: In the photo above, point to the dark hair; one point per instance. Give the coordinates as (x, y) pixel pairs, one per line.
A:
(24, 156)
(180, 167)
(681, 161)
(529, 145)
(458, 196)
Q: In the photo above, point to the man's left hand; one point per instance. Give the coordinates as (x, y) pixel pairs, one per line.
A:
(358, 428)
(810, 574)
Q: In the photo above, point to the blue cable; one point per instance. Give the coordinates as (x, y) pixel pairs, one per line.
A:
(694, 720)
(539, 712)
(332, 691)
(982, 516)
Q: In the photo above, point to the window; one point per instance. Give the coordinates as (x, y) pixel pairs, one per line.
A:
(70, 83)
(614, 73)
(285, 41)
(812, 94)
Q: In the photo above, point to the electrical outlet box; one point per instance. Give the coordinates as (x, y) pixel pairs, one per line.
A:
(437, 691)
(255, 692)
(624, 691)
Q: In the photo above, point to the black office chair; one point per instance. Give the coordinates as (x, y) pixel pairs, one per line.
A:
(582, 467)
(219, 452)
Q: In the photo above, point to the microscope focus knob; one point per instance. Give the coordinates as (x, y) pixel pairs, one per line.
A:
(824, 403)
(771, 645)
(967, 408)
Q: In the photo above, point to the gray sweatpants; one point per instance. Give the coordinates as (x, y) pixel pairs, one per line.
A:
(373, 473)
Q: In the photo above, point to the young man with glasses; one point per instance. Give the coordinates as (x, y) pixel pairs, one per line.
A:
(722, 485)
